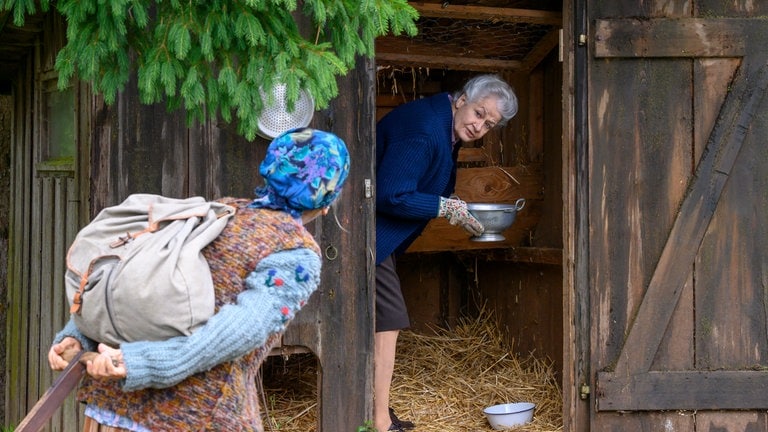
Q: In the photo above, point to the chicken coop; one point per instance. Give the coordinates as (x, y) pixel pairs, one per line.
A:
(445, 273)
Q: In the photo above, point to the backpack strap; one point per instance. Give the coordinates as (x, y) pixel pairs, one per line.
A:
(122, 241)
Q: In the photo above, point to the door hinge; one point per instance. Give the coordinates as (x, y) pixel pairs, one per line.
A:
(582, 39)
(584, 392)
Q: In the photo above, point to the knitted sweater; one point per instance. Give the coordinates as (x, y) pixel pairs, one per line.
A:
(415, 165)
(264, 267)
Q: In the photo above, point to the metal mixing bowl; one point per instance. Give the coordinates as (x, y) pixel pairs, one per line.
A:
(495, 218)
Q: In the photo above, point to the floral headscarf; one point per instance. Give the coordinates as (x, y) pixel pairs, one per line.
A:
(304, 169)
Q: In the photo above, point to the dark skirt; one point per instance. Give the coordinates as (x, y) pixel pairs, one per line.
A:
(391, 312)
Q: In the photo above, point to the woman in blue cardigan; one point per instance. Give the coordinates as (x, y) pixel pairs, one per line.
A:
(417, 147)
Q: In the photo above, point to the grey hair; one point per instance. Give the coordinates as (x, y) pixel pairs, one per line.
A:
(482, 86)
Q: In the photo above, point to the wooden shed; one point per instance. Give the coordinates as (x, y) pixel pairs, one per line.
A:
(638, 264)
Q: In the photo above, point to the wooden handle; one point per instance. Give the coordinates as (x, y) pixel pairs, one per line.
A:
(56, 394)
(88, 355)
(83, 356)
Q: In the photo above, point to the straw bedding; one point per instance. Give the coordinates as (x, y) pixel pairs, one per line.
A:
(442, 382)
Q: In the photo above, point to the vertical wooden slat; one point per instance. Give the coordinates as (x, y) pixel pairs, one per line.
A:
(71, 411)
(103, 128)
(14, 267)
(55, 269)
(337, 324)
(6, 117)
(53, 273)
(41, 292)
(33, 305)
(76, 208)
(576, 287)
(19, 281)
(23, 286)
(13, 398)
(34, 230)
(221, 163)
(12, 294)
(535, 120)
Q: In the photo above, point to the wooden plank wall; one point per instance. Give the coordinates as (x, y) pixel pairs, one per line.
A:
(6, 119)
(127, 148)
(45, 211)
(144, 149)
(17, 351)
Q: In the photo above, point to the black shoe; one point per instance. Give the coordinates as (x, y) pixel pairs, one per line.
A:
(399, 425)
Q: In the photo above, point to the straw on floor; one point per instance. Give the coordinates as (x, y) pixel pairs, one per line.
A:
(442, 382)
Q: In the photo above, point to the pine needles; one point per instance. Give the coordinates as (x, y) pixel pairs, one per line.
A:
(213, 58)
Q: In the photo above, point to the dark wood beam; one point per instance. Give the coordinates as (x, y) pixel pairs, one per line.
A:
(528, 16)
(454, 63)
(672, 390)
(541, 50)
(693, 37)
(523, 255)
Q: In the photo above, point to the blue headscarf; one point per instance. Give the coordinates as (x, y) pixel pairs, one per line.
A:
(304, 169)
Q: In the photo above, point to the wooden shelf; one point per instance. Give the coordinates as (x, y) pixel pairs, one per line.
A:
(501, 252)
(531, 255)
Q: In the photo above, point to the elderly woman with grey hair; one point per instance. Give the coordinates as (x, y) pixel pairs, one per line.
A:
(417, 147)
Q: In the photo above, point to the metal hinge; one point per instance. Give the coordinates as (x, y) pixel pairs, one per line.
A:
(368, 188)
(584, 391)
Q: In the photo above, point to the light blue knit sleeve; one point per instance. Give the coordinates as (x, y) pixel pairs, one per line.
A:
(278, 287)
(71, 330)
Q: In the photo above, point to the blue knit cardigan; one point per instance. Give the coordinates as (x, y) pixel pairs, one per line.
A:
(415, 166)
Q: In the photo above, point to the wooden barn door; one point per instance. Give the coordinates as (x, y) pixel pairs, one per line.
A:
(677, 191)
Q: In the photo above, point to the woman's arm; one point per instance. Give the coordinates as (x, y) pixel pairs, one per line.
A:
(278, 287)
(70, 330)
(399, 174)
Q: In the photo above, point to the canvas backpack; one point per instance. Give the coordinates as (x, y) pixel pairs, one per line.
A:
(136, 272)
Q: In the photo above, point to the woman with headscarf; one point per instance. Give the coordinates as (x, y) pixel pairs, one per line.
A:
(264, 265)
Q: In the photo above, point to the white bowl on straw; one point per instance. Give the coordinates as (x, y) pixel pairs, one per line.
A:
(508, 415)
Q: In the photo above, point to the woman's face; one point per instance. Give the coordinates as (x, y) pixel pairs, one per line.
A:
(472, 120)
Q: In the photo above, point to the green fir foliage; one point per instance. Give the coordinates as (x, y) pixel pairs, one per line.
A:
(214, 57)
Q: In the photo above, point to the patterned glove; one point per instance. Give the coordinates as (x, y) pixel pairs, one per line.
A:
(455, 210)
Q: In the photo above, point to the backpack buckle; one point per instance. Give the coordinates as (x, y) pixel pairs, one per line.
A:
(77, 299)
(121, 241)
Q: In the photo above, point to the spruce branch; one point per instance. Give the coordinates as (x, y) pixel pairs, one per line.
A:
(214, 58)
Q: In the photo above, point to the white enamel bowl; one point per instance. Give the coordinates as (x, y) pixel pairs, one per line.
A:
(508, 415)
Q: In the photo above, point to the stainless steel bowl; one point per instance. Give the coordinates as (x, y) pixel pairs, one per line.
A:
(495, 218)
